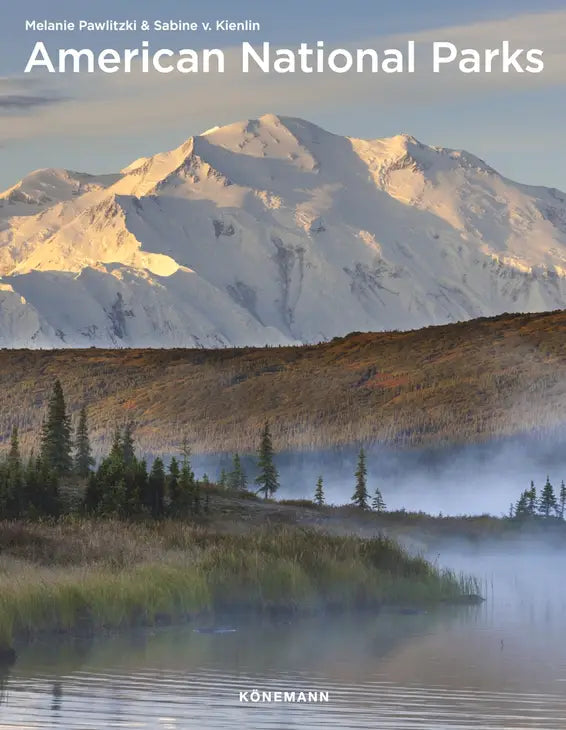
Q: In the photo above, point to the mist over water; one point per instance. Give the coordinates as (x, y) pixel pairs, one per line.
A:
(501, 665)
(468, 479)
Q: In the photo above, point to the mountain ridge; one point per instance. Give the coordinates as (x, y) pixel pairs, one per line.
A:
(273, 231)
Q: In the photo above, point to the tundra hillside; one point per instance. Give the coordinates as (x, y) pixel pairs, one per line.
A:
(463, 382)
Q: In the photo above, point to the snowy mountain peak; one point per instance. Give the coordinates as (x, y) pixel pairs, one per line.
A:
(273, 231)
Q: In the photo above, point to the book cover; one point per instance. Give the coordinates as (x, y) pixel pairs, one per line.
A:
(283, 375)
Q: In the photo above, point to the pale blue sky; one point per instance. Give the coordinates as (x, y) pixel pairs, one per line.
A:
(101, 124)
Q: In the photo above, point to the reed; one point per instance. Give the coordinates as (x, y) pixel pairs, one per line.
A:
(87, 575)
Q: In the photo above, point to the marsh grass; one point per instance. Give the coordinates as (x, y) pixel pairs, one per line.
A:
(88, 575)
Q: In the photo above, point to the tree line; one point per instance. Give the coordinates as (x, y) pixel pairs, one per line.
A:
(546, 504)
(121, 484)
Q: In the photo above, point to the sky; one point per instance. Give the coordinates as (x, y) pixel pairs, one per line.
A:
(100, 123)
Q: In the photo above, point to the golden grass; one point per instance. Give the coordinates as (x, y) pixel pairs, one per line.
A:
(81, 574)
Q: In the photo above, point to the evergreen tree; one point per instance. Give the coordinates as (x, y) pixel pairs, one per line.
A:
(12, 481)
(116, 453)
(15, 477)
(319, 492)
(562, 500)
(113, 500)
(183, 503)
(173, 484)
(49, 503)
(547, 502)
(197, 496)
(56, 434)
(268, 477)
(93, 494)
(114, 490)
(31, 488)
(378, 503)
(522, 506)
(128, 448)
(223, 479)
(532, 499)
(156, 488)
(237, 479)
(83, 454)
(360, 497)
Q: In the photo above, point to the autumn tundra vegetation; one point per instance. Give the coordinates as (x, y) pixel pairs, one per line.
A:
(86, 546)
(462, 383)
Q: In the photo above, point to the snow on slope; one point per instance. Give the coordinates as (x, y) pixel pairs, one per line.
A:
(273, 231)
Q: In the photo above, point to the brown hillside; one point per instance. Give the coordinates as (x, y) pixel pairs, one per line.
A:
(467, 381)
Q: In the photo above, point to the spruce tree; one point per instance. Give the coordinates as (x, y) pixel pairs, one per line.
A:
(268, 477)
(237, 479)
(562, 500)
(31, 488)
(128, 448)
(223, 479)
(49, 503)
(184, 501)
(83, 454)
(522, 506)
(378, 503)
(15, 477)
(93, 495)
(110, 475)
(56, 434)
(532, 499)
(547, 502)
(173, 484)
(360, 497)
(197, 495)
(319, 492)
(116, 453)
(156, 487)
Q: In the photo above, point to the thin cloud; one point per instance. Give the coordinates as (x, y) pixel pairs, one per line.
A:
(23, 95)
(20, 101)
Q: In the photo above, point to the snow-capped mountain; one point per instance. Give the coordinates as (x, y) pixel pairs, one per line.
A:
(273, 231)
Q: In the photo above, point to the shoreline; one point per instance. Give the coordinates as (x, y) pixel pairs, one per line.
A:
(80, 575)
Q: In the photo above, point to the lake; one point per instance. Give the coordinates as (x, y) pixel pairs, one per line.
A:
(498, 665)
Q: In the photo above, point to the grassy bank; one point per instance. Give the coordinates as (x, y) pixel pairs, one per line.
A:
(88, 575)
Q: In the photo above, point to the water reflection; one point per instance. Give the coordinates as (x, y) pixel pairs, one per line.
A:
(498, 666)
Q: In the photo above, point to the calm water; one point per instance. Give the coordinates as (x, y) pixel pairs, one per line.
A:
(501, 665)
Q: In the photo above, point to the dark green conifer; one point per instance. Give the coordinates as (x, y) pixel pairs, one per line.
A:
(547, 504)
(360, 497)
(378, 503)
(56, 442)
(319, 492)
(237, 479)
(532, 499)
(156, 485)
(562, 500)
(268, 477)
(83, 453)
